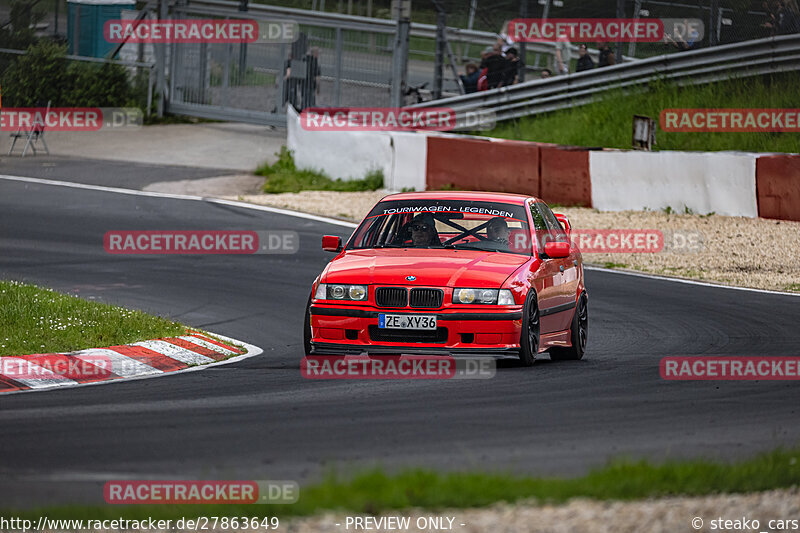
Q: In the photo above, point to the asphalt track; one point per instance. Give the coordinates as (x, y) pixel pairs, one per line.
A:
(259, 419)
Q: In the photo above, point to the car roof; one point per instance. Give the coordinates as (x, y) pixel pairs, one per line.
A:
(484, 196)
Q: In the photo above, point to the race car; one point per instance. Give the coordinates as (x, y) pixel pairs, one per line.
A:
(452, 273)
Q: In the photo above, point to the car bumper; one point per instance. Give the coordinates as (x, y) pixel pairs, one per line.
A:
(353, 330)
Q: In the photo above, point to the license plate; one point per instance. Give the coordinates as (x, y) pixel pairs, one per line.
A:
(386, 321)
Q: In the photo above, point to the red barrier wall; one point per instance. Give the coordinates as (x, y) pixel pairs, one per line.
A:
(565, 176)
(778, 186)
(482, 165)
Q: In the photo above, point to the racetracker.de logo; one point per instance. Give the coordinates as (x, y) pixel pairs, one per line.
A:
(377, 119)
(200, 492)
(396, 367)
(730, 120)
(201, 242)
(733, 368)
(605, 30)
(201, 31)
(70, 118)
(56, 366)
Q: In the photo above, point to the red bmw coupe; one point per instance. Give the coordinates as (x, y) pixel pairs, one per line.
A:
(452, 273)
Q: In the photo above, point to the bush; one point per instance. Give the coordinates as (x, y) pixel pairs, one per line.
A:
(37, 77)
(44, 74)
(98, 85)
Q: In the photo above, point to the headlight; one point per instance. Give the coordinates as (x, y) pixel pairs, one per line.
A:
(322, 292)
(357, 292)
(327, 291)
(483, 296)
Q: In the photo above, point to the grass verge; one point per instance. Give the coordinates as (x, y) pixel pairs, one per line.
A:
(284, 176)
(608, 121)
(375, 491)
(40, 320)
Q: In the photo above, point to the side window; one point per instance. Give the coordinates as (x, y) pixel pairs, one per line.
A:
(552, 222)
(548, 228)
(539, 222)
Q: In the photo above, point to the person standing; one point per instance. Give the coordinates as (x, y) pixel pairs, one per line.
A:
(584, 59)
(607, 57)
(563, 54)
(511, 72)
(495, 65)
(310, 88)
(470, 79)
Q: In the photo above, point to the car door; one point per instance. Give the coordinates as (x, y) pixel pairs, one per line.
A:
(547, 278)
(556, 311)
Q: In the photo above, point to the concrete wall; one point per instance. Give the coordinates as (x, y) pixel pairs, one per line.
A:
(733, 184)
(778, 184)
(401, 156)
(473, 163)
(723, 183)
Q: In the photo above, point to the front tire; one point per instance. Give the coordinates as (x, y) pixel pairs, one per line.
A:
(307, 327)
(579, 329)
(530, 335)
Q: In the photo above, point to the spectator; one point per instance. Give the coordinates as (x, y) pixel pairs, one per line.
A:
(310, 88)
(584, 60)
(684, 45)
(772, 18)
(289, 84)
(563, 54)
(511, 73)
(494, 63)
(607, 57)
(546, 73)
(470, 79)
(787, 18)
(503, 39)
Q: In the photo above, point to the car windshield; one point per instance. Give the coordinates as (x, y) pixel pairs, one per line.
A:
(460, 225)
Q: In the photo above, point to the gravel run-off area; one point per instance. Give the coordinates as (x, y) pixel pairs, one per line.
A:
(747, 252)
(661, 515)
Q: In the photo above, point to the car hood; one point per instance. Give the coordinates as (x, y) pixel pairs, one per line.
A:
(431, 267)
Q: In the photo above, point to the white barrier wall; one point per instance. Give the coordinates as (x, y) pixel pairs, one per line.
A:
(352, 154)
(705, 182)
(410, 160)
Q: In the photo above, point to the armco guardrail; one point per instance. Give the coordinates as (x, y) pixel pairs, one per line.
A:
(358, 23)
(749, 58)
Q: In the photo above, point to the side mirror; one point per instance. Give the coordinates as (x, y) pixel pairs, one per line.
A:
(556, 250)
(331, 243)
(564, 222)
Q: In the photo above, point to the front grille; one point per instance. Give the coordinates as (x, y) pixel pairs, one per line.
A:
(408, 335)
(430, 298)
(391, 297)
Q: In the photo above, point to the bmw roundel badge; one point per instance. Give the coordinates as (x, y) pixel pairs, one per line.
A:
(411, 278)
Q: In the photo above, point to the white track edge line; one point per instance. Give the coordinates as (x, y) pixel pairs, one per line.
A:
(133, 192)
(252, 351)
(688, 281)
(320, 218)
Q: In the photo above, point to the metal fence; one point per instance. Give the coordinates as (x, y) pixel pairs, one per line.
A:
(329, 65)
(355, 57)
(751, 58)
